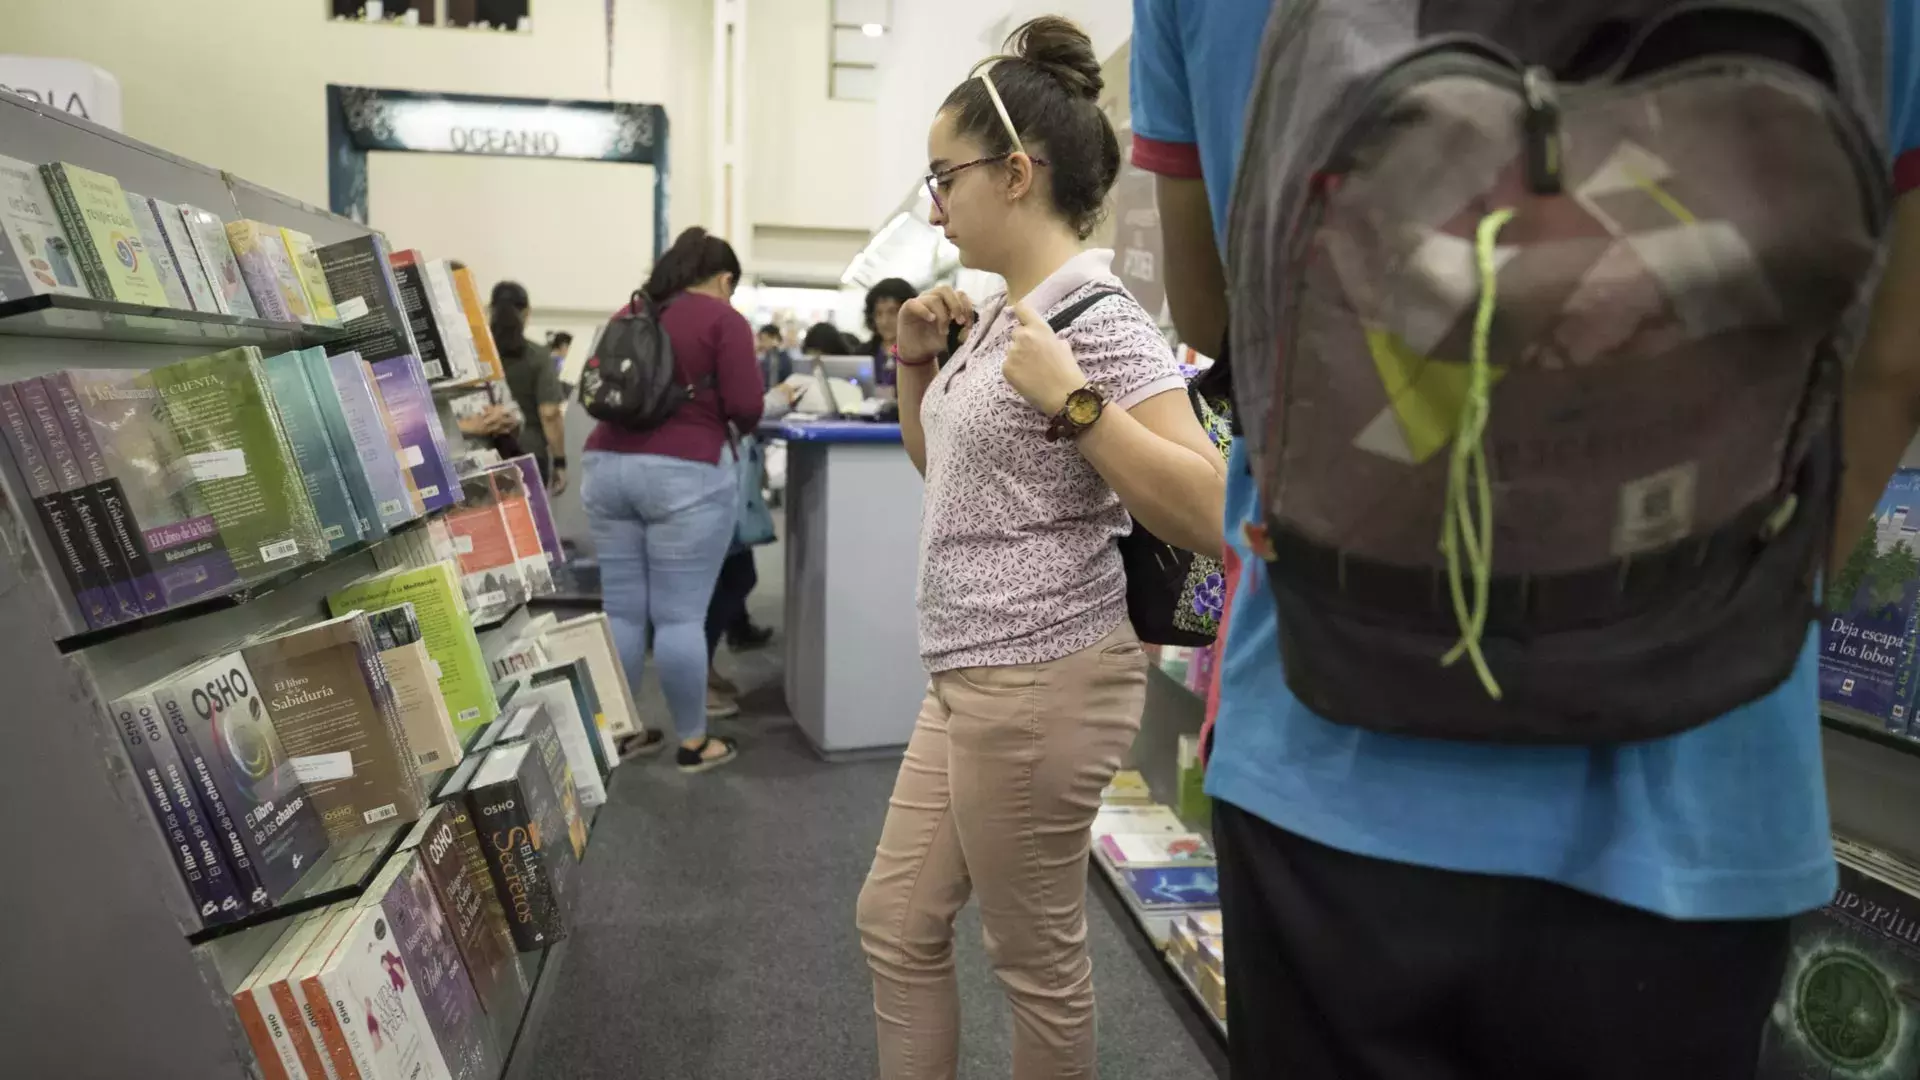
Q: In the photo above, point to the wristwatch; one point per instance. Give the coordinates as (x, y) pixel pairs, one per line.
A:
(1082, 410)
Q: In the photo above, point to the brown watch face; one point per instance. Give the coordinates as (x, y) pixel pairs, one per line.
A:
(1083, 407)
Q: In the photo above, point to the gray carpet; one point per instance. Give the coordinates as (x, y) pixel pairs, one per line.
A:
(715, 939)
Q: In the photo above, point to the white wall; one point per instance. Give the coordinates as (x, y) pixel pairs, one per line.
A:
(931, 49)
(239, 84)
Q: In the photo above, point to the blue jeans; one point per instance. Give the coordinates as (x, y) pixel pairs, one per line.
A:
(662, 526)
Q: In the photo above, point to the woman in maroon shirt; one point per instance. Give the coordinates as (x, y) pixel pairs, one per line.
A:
(663, 501)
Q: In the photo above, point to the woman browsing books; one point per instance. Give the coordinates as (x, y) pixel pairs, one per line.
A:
(1037, 446)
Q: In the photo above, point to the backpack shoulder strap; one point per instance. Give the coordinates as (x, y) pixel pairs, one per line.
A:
(1065, 316)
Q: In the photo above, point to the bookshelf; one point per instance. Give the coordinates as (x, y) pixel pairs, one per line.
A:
(86, 319)
(102, 934)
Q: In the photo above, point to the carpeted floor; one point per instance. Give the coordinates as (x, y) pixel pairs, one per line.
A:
(715, 939)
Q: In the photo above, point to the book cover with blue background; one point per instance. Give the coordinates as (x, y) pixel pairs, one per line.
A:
(1870, 607)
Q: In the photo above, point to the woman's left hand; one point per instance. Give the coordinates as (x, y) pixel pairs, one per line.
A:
(1039, 365)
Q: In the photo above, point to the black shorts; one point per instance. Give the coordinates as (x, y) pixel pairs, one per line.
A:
(1341, 967)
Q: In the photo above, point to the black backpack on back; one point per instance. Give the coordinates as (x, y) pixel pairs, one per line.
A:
(1173, 595)
(631, 381)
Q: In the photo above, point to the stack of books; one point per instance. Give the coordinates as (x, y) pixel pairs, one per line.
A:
(1162, 869)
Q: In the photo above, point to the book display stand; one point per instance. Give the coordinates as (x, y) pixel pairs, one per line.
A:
(113, 969)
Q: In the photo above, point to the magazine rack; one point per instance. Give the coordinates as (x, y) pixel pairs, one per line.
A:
(98, 929)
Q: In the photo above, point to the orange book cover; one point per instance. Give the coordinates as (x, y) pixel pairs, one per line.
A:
(264, 1051)
(476, 312)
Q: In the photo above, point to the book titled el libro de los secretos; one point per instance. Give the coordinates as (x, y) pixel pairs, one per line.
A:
(523, 832)
(535, 724)
(217, 716)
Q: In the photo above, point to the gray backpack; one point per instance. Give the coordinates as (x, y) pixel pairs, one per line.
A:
(1540, 313)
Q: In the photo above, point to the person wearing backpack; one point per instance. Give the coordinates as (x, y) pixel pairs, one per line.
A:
(660, 486)
(1037, 445)
(1402, 902)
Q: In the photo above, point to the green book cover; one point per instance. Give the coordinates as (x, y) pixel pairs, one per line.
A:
(223, 419)
(313, 451)
(434, 592)
(94, 209)
(353, 469)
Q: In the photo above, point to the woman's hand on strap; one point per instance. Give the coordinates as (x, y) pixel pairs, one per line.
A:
(924, 321)
(1039, 365)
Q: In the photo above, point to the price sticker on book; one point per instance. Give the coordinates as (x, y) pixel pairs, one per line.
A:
(285, 549)
(463, 544)
(314, 768)
(211, 465)
(412, 457)
(350, 310)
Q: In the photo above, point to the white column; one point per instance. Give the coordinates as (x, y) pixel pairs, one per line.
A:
(729, 119)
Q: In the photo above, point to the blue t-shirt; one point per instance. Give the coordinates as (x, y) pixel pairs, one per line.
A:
(1728, 820)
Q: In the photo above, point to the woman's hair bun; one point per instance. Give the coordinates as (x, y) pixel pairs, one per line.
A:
(1062, 50)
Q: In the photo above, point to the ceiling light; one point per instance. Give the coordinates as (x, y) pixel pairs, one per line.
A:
(872, 29)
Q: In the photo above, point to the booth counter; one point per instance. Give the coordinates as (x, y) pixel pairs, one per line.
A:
(854, 679)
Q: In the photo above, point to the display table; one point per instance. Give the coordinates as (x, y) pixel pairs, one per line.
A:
(854, 677)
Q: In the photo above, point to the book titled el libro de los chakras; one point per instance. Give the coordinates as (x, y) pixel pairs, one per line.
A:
(217, 716)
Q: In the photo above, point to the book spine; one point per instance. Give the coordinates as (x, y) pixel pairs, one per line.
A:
(155, 763)
(60, 547)
(280, 1027)
(1900, 710)
(417, 294)
(255, 1025)
(302, 1027)
(501, 818)
(239, 854)
(333, 1036)
(123, 531)
(186, 264)
(112, 578)
(80, 235)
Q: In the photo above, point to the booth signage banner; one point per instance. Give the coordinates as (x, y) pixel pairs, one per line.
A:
(362, 119)
(72, 86)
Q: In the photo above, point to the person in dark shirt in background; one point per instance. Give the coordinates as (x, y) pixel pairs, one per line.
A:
(883, 321)
(776, 363)
(534, 383)
(663, 502)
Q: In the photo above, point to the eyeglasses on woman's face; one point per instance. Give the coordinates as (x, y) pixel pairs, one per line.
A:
(940, 181)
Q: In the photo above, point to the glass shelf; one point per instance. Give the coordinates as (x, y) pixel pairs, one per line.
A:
(1869, 728)
(87, 639)
(343, 873)
(88, 319)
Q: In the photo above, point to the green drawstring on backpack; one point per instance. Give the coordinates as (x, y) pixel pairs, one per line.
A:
(1467, 528)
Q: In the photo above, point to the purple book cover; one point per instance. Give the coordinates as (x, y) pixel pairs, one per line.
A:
(176, 809)
(117, 413)
(111, 589)
(121, 529)
(542, 509)
(428, 948)
(57, 538)
(403, 386)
